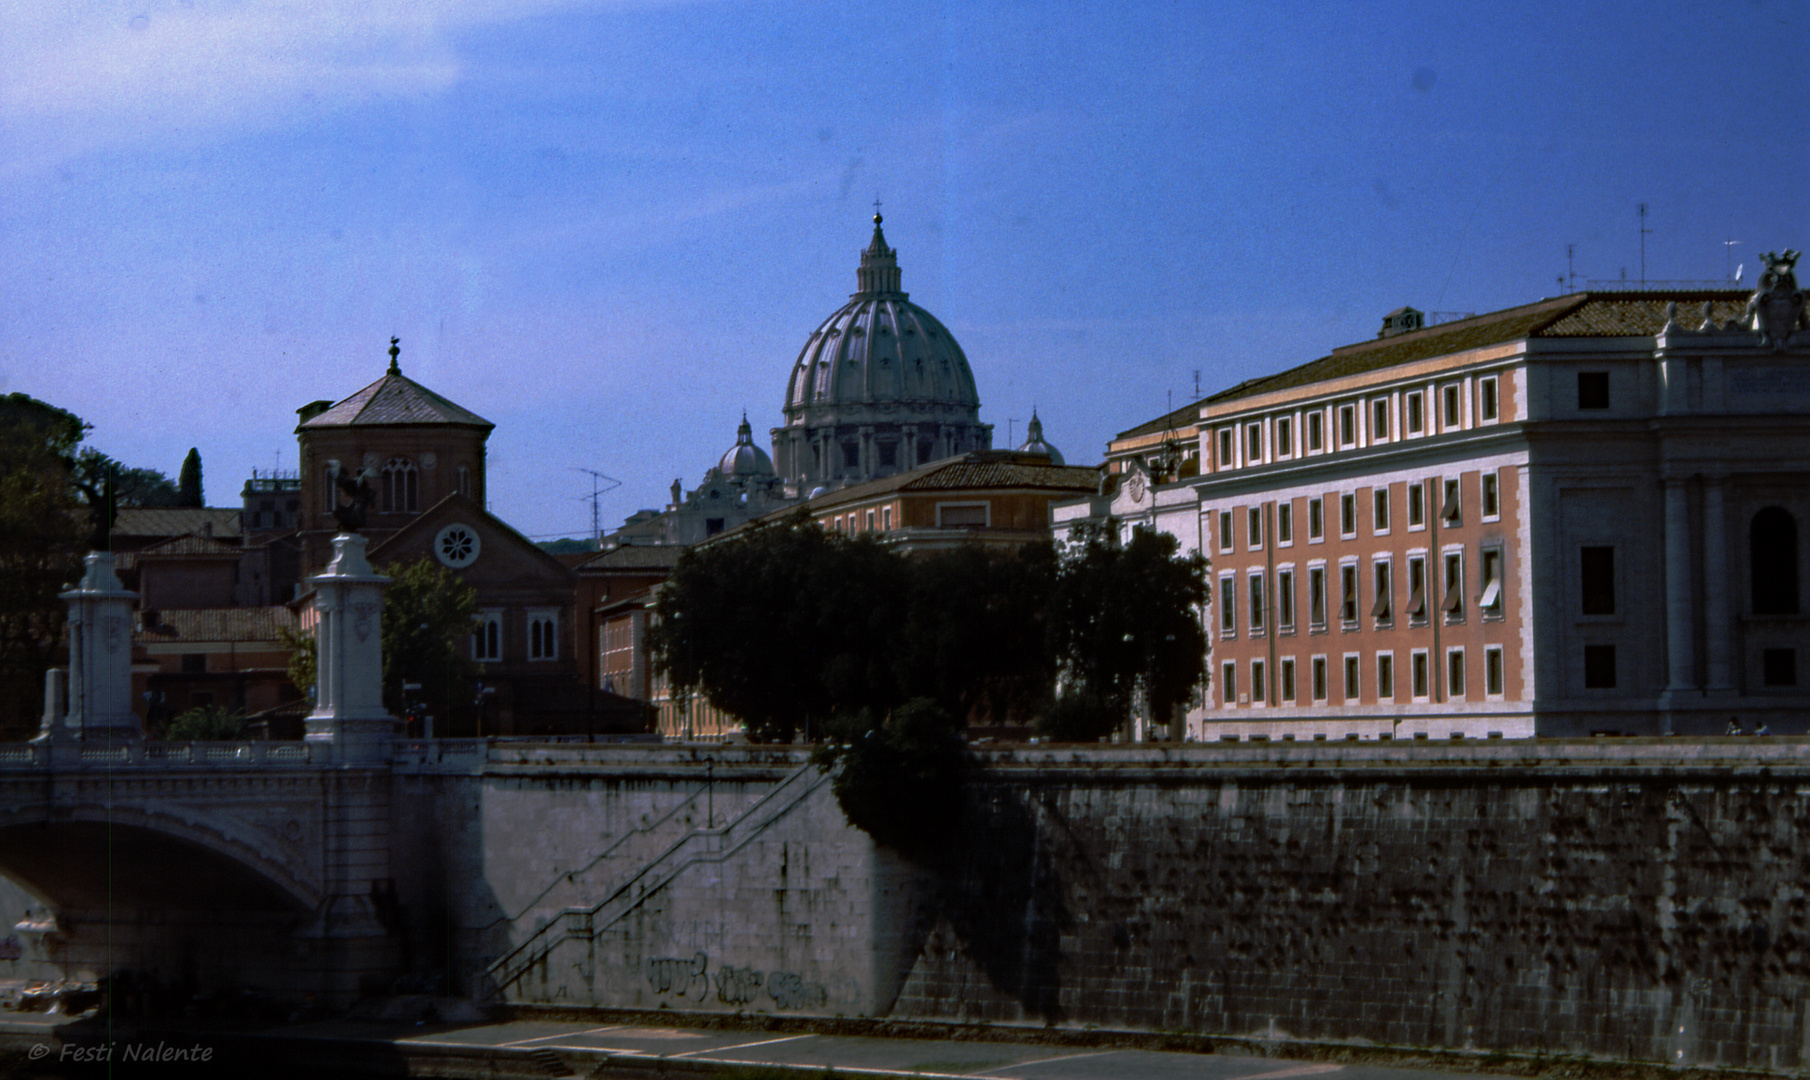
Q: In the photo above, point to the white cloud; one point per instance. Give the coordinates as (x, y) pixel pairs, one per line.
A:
(81, 76)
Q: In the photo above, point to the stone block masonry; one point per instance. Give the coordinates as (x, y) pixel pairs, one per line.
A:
(1627, 898)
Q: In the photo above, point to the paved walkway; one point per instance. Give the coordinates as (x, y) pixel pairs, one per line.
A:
(582, 1047)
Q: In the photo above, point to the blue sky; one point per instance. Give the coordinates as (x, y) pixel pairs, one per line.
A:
(609, 227)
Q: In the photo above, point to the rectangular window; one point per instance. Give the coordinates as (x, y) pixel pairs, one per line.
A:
(1285, 523)
(1228, 675)
(1450, 398)
(1319, 678)
(1285, 436)
(1417, 671)
(1487, 407)
(1256, 588)
(1492, 671)
(1417, 420)
(1351, 678)
(1417, 588)
(1228, 605)
(1451, 599)
(1778, 667)
(1379, 510)
(1225, 448)
(1380, 608)
(870, 521)
(1597, 580)
(1316, 519)
(1253, 443)
(1451, 510)
(1454, 673)
(1316, 596)
(1285, 599)
(1316, 436)
(1254, 527)
(1379, 420)
(1417, 506)
(1258, 686)
(971, 516)
(1286, 691)
(1348, 515)
(1599, 667)
(1385, 676)
(885, 518)
(1225, 530)
(1592, 389)
(1490, 603)
(1348, 425)
(1490, 496)
(1348, 593)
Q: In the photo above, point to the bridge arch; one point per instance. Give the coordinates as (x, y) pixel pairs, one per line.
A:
(98, 857)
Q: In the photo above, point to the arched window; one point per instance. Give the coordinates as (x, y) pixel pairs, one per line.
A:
(400, 486)
(1772, 554)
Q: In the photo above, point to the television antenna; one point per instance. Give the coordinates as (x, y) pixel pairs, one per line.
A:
(600, 483)
(1728, 260)
(1643, 245)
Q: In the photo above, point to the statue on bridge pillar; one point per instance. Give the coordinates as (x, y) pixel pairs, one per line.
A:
(348, 636)
(99, 679)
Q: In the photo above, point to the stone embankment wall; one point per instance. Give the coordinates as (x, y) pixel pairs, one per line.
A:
(1629, 898)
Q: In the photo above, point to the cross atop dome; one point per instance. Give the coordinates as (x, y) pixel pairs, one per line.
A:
(879, 272)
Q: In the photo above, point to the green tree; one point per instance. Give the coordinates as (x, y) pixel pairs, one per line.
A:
(206, 723)
(188, 483)
(785, 627)
(428, 613)
(40, 548)
(901, 774)
(1125, 620)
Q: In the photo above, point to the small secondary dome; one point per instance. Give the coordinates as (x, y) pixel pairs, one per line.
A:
(745, 458)
(1035, 444)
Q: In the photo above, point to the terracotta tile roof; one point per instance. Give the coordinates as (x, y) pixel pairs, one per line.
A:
(191, 547)
(239, 624)
(1615, 314)
(979, 470)
(1184, 417)
(140, 521)
(395, 399)
(635, 557)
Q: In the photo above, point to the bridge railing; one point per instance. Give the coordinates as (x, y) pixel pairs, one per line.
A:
(147, 754)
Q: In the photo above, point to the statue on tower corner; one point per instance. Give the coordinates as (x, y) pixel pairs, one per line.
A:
(1777, 306)
(356, 487)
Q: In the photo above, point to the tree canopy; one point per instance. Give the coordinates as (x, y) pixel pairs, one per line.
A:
(188, 484)
(885, 657)
(40, 548)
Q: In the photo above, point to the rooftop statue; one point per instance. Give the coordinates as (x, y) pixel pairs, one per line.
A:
(1777, 306)
(356, 487)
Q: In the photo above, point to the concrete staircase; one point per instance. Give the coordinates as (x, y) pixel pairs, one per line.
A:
(650, 859)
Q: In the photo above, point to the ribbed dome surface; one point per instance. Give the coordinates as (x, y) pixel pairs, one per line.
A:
(745, 458)
(881, 349)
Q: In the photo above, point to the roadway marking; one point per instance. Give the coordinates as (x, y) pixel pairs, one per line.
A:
(562, 1035)
(1046, 1061)
(1298, 1070)
(739, 1046)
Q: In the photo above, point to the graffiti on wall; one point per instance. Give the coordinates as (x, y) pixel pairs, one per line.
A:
(689, 978)
(678, 975)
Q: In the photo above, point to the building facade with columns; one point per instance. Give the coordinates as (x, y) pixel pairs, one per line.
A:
(1580, 516)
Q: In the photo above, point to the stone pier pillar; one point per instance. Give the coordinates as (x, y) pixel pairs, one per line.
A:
(99, 682)
(1680, 612)
(350, 943)
(348, 703)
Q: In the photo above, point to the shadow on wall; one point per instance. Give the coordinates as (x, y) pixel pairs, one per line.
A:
(1001, 894)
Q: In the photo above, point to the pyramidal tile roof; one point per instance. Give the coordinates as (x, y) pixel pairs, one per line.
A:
(395, 399)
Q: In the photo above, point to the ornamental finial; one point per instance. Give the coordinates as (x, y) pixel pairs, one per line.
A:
(395, 351)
